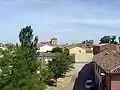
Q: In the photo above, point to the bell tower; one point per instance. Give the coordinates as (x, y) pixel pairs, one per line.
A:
(53, 41)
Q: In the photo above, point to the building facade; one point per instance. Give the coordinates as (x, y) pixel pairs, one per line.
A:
(46, 56)
(53, 41)
(103, 47)
(107, 70)
(45, 48)
(81, 54)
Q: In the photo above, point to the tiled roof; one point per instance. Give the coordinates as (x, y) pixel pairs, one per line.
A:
(100, 44)
(116, 70)
(75, 45)
(108, 61)
(43, 43)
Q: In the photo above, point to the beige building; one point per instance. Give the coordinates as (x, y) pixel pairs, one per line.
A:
(46, 56)
(81, 54)
(45, 48)
(53, 41)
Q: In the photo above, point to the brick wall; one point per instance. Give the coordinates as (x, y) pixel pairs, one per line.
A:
(115, 82)
(100, 48)
(108, 83)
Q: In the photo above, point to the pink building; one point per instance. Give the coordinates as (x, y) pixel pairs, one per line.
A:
(102, 47)
(107, 70)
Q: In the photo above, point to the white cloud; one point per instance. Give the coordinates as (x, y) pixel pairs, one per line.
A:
(97, 22)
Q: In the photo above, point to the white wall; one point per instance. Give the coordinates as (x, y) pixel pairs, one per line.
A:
(45, 48)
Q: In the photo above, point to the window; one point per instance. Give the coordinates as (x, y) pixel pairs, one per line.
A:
(96, 78)
(99, 70)
(100, 86)
(95, 67)
(80, 51)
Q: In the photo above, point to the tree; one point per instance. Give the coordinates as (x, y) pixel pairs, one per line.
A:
(105, 39)
(57, 50)
(28, 42)
(19, 69)
(66, 51)
(26, 37)
(108, 39)
(113, 40)
(9, 45)
(18, 73)
(61, 64)
(83, 42)
(119, 39)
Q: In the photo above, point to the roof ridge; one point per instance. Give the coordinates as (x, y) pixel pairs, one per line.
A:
(115, 69)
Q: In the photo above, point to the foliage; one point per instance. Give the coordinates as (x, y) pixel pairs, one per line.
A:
(19, 67)
(26, 37)
(61, 64)
(108, 39)
(19, 73)
(57, 50)
(20, 70)
(119, 39)
(28, 42)
(112, 39)
(105, 39)
(83, 42)
(66, 51)
(9, 46)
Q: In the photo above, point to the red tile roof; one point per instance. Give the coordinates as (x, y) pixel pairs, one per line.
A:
(116, 70)
(108, 61)
(43, 43)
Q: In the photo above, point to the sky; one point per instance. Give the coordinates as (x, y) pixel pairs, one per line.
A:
(68, 20)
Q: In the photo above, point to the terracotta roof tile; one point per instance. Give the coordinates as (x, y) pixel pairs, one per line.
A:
(43, 43)
(108, 61)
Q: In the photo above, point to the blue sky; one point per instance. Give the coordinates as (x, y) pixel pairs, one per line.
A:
(68, 20)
